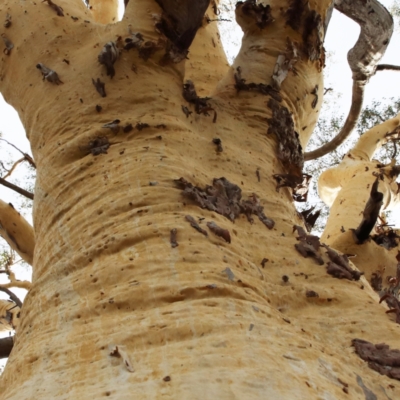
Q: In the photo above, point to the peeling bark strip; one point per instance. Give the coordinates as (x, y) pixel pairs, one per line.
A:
(393, 303)
(301, 18)
(8, 44)
(119, 351)
(370, 214)
(55, 7)
(258, 12)
(97, 146)
(221, 232)
(200, 103)
(224, 198)
(298, 184)
(339, 266)
(310, 217)
(6, 345)
(379, 357)
(268, 90)
(289, 148)
(195, 225)
(108, 56)
(100, 87)
(309, 245)
(172, 238)
(49, 74)
(313, 37)
(180, 21)
(285, 63)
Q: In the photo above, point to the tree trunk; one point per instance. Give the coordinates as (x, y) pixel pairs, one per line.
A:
(121, 305)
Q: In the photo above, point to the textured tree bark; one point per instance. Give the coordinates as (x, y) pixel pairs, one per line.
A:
(128, 299)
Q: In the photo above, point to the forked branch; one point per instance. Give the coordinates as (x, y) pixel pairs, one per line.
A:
(376, 30)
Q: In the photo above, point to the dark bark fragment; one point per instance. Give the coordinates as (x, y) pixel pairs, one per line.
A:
(100, 87)
(251, 207)
(221, 232)
(370, 214)
(268, 90)
(393, 303)
(310, 217)
(309, 245)
(8, 44)
(294, 14)
(258, 12)
(55, 7)
(311, 293)
(186, 111)
(134, 42)
(289, 148)
(7, 22)
(376, 281)
(6, 345)
(387, 238)
(379, 357)
(339, 266)
(315, 93)
(218, 143)
(108, 56)
(195, 225)
(179, 22)
(97, 146)
(224, 198)
(263, 261)
(200, 103)
(313, 36)
(298, 184)
(172, 238)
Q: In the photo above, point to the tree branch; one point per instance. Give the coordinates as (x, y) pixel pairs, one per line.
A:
(383, 67)
(13, 297)
(16, 188)
(27, 157)
(6, 345)
(17, 232)
(376, 30)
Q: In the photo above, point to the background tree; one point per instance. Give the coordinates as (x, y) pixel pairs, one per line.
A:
(153, 274)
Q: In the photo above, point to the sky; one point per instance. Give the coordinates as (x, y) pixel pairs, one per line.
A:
(341, 36)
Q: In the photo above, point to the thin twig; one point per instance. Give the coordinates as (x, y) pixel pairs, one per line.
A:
(13, 297)
(16, 188)
(10, 171)
(385, 67)
(27, 156)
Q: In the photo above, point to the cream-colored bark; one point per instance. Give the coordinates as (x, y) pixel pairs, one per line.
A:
(104, 11)
(107, 281)
(17, 232)
(9, 317)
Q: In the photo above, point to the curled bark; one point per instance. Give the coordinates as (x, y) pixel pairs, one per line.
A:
(376, 30)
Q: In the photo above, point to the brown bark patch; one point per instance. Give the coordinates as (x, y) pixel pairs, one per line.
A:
(380, 357)
(259, 13)
(179, 23)
(225, 198)
(268, 90)
(298, 184)
(290, 151)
